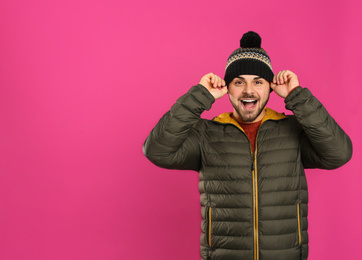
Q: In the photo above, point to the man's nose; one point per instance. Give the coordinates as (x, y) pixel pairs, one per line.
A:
(248, 89)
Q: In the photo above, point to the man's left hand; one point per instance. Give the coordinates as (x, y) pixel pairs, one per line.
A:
(284, 82)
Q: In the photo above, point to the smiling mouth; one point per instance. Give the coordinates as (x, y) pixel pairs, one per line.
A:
(249, 104)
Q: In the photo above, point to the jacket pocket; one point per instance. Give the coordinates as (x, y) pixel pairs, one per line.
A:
(299, 225)
(208, 217)
(300, 231)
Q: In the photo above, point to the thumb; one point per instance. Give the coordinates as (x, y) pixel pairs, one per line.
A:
(273, 85)
(223, 91)
(219, 92)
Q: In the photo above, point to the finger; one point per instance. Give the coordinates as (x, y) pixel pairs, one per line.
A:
(290, 74)
(215, 81)
(224, 90)
(212, 76)
(273, 85)
(212, 80)
(278, 77)
(274, 79)
(209, 75)
(219, 82)
(282, 77)
(216, 85)
(286, 75)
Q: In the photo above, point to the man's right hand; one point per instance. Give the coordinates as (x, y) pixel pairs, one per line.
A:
(214, 84)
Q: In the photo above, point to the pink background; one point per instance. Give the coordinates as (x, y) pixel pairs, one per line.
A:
(82, 83)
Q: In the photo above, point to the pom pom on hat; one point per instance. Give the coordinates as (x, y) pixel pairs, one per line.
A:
(250, 40)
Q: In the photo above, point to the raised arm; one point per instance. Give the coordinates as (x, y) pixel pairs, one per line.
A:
(174, 141)
(324, 143)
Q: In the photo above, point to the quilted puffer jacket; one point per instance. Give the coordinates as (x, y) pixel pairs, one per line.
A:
(253, 205)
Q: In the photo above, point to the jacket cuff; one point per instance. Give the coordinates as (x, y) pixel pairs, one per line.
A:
(202, 95)
(298, 96)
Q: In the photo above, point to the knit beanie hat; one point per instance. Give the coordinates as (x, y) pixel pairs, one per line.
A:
(249, 59)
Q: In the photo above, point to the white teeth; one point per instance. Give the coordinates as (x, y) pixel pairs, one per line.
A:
(249, 100)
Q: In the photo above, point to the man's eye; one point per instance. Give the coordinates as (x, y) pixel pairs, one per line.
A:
(238, 82)
(259, 82)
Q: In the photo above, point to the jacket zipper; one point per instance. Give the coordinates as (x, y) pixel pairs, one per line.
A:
(255, 205)
(255, 196)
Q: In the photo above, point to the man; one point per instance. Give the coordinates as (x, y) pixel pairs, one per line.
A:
(251, 161)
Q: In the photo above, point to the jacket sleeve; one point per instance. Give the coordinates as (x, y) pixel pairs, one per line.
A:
(324, 144)
(174, 142)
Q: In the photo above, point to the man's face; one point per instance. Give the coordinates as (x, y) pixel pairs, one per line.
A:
(248, 95)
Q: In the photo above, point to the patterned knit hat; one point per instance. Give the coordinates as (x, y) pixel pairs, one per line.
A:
(249, 59)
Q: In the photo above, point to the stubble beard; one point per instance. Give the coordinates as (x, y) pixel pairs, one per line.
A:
(248, 116)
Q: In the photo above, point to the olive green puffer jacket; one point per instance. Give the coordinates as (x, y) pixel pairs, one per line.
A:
(253, 205)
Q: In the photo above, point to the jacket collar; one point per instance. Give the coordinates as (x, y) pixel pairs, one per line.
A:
(270, 114)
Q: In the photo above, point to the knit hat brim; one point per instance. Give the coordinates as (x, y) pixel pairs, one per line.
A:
(248, 67)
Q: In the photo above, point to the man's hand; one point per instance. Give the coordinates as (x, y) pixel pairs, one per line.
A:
(214, 84)
(284, 82)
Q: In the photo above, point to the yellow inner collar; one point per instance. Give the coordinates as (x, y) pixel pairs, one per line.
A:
(227, 118)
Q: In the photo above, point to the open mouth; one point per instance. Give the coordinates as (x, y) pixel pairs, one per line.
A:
(249, 103)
